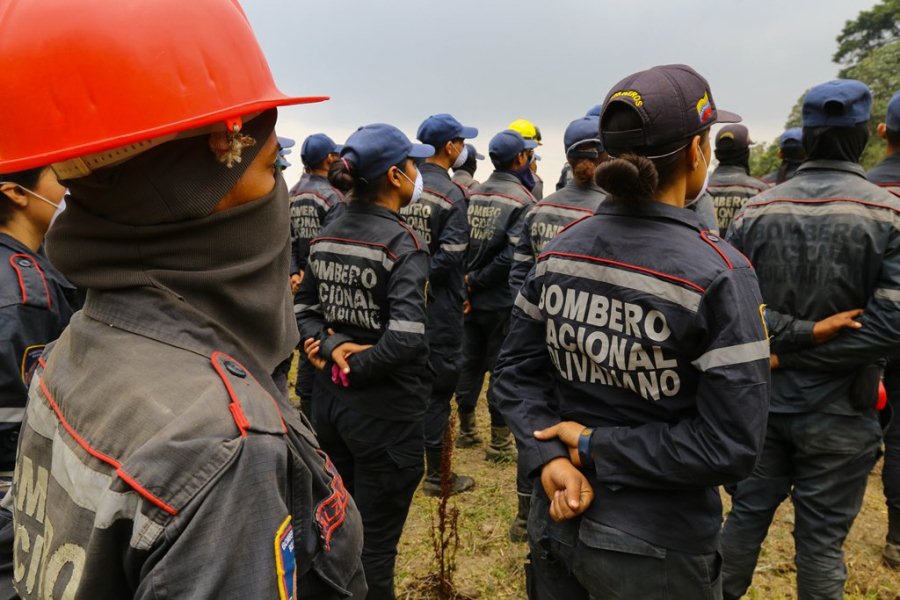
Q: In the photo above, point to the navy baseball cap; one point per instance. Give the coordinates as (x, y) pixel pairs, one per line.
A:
(791, 138)
(505, 145)
(594, 111)
(373, 149)
(440, 129)
(674, 103)
(474, 153)
(316, 148)
(837, 103)
(581, 131)
(733, 137)
(892, 120)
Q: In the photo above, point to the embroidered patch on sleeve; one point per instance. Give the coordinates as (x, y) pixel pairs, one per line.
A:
(284, 560)
(30, 362)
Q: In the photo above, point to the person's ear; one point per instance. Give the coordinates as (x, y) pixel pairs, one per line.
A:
(14, 194)
(395, 177)
(696, 150)
(882, 130)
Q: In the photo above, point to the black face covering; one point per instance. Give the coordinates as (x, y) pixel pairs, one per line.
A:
(231, 266)
(734, 158)
(835, 143)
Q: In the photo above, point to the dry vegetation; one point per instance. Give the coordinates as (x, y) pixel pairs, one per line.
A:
(490, 566)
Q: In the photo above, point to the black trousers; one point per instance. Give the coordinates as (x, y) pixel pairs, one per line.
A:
(444, 363)
(582, 559)
(381, 463)
(483, 334)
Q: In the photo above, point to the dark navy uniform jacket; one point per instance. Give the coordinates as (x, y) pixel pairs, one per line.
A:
(465, 179)
(641, 324)
(496, 213)
(545, 220)
(366, 280)
(730, 187)
(826, 241)
(36, 302)
(439, 219)
(886, 174)
(311, 200)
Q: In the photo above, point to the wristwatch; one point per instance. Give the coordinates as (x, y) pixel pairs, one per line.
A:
(584, 446)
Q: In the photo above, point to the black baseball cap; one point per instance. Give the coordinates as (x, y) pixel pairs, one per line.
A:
(733, 137)
(674, 103)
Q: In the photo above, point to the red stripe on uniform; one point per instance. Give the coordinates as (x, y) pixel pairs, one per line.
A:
(628, 266)
(131, 481)
(358, 242)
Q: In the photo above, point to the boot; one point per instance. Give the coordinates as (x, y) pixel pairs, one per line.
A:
(502, 448)
(432, 487)
(891, 553)
(467, 437)
(518, 531)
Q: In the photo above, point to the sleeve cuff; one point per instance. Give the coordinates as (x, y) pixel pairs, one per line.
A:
(330, 343)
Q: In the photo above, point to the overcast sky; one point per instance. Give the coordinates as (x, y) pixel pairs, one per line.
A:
(489, 62)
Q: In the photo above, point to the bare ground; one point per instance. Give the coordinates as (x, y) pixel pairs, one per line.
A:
(489, 566)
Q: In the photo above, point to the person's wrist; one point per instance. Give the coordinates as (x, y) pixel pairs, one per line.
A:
(584, 446)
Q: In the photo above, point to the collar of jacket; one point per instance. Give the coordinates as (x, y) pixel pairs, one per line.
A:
(428, 167)
(832, 165)
(577, 188)
(729, 169)
(372, 209)
(161, 316)
(505, 176)
(651, 209)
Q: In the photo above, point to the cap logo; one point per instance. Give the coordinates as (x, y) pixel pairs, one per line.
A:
(635, 97)
(704, 108)
(726, 136)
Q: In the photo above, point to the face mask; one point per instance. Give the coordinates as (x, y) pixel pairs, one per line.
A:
(418, 186)
(525, 175)
(461, 158)
(693, 201)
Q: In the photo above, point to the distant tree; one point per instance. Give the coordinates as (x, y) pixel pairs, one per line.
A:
(869, 30)
(764, 158)
(880, 70)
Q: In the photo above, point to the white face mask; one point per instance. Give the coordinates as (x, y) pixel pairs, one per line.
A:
(461, 158)
(689, 203)
(418, 185)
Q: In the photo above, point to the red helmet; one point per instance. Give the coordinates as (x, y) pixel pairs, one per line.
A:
(87, 77)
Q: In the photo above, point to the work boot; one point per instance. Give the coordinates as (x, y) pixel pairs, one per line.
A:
(432, 487)
(518, 531)
(467, 437)
(502, 448)
(891, 553)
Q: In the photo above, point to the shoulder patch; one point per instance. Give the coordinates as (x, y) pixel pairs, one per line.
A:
(30, 359)
(285, 563)
(32, 283)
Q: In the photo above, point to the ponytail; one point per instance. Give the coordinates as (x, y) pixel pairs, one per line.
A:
(629, 176)
(344, 175)
(340, 175)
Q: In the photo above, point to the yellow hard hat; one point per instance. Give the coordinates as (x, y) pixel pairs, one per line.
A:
(526, 129)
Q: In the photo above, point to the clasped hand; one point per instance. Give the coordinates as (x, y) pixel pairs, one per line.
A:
(569, 491)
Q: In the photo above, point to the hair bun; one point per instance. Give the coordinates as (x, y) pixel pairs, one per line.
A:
(630, 177)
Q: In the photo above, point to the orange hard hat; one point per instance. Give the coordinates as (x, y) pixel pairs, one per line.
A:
(81, 78)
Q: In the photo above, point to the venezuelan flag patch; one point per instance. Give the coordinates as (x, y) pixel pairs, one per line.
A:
(284, 560)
